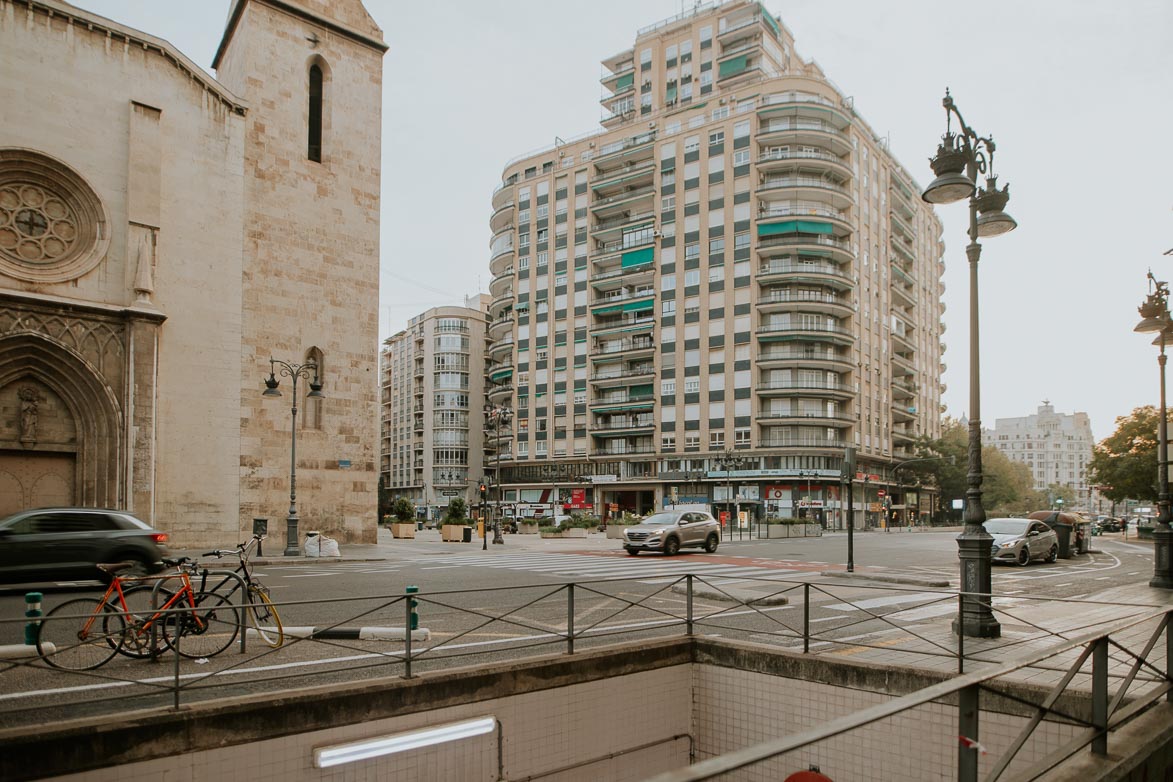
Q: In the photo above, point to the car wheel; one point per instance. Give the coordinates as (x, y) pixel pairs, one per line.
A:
(711, 542)
(1024, 556)
(1053, 554)
(633, 552)
(671, 546)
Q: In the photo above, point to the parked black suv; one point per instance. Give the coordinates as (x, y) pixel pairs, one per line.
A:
(66, 543)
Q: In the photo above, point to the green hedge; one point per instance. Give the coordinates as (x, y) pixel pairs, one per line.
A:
(789, 520)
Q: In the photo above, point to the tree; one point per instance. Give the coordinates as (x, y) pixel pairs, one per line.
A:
(457, 510)
(403, 509)
(1124, 464)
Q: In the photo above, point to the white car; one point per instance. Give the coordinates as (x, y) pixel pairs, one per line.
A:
(671, 531)
(1022, 540)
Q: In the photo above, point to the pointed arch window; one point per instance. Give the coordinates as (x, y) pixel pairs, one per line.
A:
(315, 118)
(313, 418)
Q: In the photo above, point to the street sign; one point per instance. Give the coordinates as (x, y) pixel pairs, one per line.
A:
(881, 493)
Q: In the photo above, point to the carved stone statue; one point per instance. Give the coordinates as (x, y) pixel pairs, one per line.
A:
(28, 414)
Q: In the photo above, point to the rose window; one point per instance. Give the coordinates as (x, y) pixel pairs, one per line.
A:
(34, 225)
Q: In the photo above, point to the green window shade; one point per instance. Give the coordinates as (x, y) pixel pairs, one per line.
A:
(624, 82)
(730, 67)
(501, 374)
(770, 21)
(609, 308)
(636, 257)
(671, 96)
(637, 306)
(794, 226)
(640, 390)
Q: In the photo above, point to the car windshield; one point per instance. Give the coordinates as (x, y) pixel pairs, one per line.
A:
(1006, 526)
(661, 518)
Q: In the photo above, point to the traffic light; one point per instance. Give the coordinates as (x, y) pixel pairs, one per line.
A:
(484, 489)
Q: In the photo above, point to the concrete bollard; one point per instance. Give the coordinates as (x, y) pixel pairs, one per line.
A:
(415, 617)
(32, 612)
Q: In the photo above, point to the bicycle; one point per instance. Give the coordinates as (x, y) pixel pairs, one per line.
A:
(86, 633)
(266, 620)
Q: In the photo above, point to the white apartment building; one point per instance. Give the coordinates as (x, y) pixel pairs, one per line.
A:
(734, 268)
(1057, 447)
(433, 389)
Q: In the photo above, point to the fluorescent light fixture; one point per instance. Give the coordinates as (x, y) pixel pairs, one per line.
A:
(326, 757)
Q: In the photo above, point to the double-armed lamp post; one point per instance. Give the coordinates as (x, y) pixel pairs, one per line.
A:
(496, 416)
(960, 159)
(1155, 318)
(294, 372)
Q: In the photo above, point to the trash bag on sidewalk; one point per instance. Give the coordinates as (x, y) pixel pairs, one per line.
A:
(329, 547)
(318, 545)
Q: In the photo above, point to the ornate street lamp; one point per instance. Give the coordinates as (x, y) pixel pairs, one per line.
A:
(294, 372)
(960, 158)
(1155, 318)
(496, 416)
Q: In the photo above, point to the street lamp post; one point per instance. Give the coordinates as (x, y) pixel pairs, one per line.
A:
(728, 462)
(293, 372)
(960, 158)
(496, 416)
(1155, 314)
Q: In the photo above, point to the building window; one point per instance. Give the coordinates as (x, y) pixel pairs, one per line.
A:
(716, 440)
(315, 119)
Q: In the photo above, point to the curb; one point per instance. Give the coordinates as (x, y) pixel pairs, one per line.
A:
(924, 582)
(349, 633)
(21, 651)
(739, 595)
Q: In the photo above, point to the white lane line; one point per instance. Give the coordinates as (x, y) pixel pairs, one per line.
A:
(313, 575)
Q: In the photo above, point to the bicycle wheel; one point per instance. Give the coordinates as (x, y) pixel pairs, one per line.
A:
(266, 620)
(136, 640)
(80, 634)
(208, 630)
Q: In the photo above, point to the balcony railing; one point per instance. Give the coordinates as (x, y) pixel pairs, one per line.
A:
(802, 210)
(638, 192)
(770, 183)
(801, 442)
(790, 267)
(638, 422)
(617, 221)
(619, 296)
(798, 297)
(623, 345)
(643, 369)
(806, 386)
(643, 267)
(795, 97)
(819, 328)
(802, 355)
(826, 241)
(781, 125)
(623, 398)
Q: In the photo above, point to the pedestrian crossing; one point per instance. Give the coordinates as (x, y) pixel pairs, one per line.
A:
(646, 570)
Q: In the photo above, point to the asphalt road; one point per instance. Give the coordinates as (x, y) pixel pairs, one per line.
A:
(510, 601)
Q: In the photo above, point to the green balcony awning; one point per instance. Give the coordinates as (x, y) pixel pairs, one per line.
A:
(608, 308)
(636, 257)
(624, 82)
(773, 23)
(501, 374)
(794, 226)
(637, 306)
(730, 67)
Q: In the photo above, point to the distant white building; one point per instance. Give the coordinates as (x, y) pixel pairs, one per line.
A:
(1057, 447)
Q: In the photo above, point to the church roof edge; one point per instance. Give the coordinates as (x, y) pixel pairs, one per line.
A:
(237, 11)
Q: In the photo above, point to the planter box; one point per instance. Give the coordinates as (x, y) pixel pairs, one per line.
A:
(1144, 533)
(574, 532)
(403, 530)
(527, 529)
(551, 534)
(452, 533)
(615, 531)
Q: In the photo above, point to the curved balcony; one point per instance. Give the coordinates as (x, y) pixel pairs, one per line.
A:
(498, 305)
(903, 412)
(800, 131)
(800, 358)
(902, 366)
(635, 199)
(499, 391)
(806, 389)
(837, 250)
(502, 217)
(502, 195)
(774, 161)
(500, 282)
(501, 325)
(501, 259)
(780, 218)
(816, 271)
(499, 351)
(902, 435)
(835, 421)
(615, 225)
(807, 186)
(806, 301)
(632, 176)
(903, 389)
(837, 334)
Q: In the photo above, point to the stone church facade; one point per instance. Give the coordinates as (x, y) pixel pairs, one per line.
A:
(162, 234)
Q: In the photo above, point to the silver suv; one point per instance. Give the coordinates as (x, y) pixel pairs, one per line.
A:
(671, 531)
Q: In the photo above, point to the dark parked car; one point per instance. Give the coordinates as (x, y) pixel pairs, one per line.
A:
(1110, 525)
(66, 543)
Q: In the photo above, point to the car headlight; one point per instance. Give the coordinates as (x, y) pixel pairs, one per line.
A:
(1011, 544)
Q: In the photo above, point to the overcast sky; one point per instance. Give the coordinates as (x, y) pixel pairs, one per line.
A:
(1077, 94)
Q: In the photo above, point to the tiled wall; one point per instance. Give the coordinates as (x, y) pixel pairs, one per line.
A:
(539, 732)
(566, 734)
(735, 709)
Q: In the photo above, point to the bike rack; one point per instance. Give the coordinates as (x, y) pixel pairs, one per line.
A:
(241, 607)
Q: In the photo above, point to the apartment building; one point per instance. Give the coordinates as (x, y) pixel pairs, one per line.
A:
(1056, 446)
(712, 298)
(433, 388)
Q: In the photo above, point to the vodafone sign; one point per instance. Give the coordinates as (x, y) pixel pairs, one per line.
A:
(776, 492)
